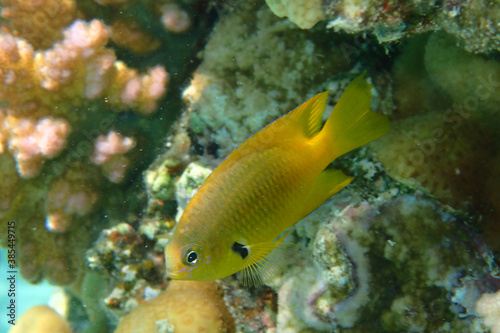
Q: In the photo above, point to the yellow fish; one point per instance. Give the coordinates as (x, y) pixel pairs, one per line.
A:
(237, 218)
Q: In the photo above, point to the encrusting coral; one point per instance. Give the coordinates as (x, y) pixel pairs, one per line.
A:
(41, 319)
(172, 311)
(429, 153)
(474, 23)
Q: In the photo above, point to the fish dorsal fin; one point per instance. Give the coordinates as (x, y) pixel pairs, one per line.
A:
(307, 117)
(265, 260)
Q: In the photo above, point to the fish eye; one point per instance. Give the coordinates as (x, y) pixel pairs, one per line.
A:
(192, 255)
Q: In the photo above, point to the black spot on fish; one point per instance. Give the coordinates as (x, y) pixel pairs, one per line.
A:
(240, 249)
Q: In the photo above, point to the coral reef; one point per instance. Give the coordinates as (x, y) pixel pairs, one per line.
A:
(67, 197)
(41, 319)
(173, 310)
(132, 261)
(31, 141)
(348, 254)
(474, 23)
(68, 136)
(78, 67)
(265, 61)
(384, 253)
(95, 173)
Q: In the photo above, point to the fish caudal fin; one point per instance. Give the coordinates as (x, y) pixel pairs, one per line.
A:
(351, 123)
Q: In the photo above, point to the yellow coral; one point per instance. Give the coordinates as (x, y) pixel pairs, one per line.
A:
(304, 13)
(41, 319)
(187, 306)
(78, 68)
(128, 34)
(39, 22)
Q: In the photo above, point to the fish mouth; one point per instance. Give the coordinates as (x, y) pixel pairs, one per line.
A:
(175, 274)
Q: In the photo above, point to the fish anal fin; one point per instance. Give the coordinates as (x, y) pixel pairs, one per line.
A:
(266, 260)
(329, 182)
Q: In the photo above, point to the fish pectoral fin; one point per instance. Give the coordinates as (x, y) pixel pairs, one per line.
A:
(266, 260)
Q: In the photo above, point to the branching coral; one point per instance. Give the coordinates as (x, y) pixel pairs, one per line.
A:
(31, 141)
(68, 197)
(128, 34)
(41, 83)
(39, 22)
(174, 18)
(109, 153)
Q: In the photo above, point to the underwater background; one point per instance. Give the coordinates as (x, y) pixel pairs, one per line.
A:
(114, 112)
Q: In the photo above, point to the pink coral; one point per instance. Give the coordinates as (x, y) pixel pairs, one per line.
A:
(108, 152)
(77, 68)
(175, 19)
(81, 42)
(32, 141)
(39, 85)
(110, 145)
(144, 91)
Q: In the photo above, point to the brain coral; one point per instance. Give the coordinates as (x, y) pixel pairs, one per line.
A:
(472, 80)
(185, 307)
(438, 154)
